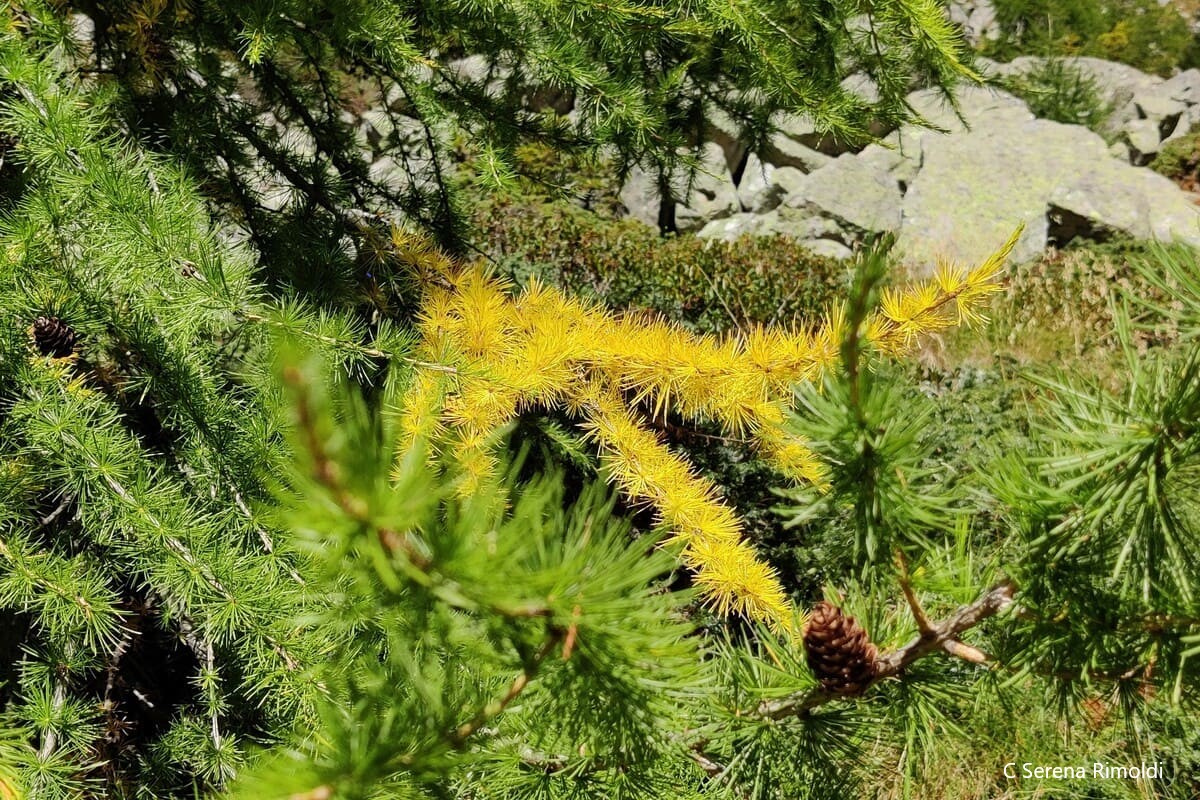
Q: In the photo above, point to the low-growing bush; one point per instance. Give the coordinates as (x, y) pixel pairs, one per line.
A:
(1179, 160)
(706, 285)
(1058, 91)
(1142, 33)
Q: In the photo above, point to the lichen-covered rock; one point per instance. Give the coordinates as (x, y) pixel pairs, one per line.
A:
(821, 236)
(783, 151)
(959, 188)
(974, 188)
(797, 143)
(976, 105)
(720, 128)
(977, 18)
(1184, 87)
(1144, 140)
(1116, 83)
(852, 192)
(736, 226)
(792, 222)
(828, 248)
(1157, 104)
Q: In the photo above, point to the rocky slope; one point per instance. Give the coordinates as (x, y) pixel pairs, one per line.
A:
(957, 190)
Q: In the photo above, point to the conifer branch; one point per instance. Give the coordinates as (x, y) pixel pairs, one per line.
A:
(345, 344)
(180, 549)
(162, 460)
(50, 737)
(496, 707)
(540, 348)
(43, 571)
(924, 627)
(942, 635)
(328, 473)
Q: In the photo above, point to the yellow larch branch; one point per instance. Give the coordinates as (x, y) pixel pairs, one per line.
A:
(727, 570)
(515, 351)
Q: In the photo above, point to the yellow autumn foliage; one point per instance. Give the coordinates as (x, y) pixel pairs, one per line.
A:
(10, 788)
(488, 352)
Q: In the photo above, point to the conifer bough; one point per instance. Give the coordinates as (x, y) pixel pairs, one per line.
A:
(488, 353)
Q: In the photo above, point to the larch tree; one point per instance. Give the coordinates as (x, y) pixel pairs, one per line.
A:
(268, 525)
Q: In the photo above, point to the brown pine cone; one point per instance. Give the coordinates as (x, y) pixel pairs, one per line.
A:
(54, 337)
(840, 653)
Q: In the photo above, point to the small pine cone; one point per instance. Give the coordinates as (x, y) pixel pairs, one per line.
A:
(54, 337)
(839, 651)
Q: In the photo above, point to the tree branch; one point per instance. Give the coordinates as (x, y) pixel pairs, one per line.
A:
(924, 626)
(494, 708)
(941, 636)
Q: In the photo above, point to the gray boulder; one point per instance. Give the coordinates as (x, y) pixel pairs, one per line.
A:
(1158, 104)
(1184, 87)
(723, 130)
(821, 236)
(863, 86)
(1143, 139)
(1117, 83)
(640, 196)
(783, 151)
(977, 18)
(735, 226)
(711, 195)
(854, 193)
(1150, 118)
(791, 222)
(763, 186)
(828, 248)
(387, 171)
(978, 105)
(899, 156)
(1129, 93)
(377, 129)
(974, 188)
(480, 70)
(797, 143)
(800, 224)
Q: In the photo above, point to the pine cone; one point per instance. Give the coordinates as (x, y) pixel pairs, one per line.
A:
(839, 651)
(54, 337)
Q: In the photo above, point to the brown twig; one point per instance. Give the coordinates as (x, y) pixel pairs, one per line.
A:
(943, 636)
(923, 624)
(706, 762)
(494, 708)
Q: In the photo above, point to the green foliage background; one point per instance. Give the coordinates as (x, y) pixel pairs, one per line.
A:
(216, 581)
(1151, 36)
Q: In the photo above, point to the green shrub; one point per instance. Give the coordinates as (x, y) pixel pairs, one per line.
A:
(1058, 91)
(706, 285)
(1179, 160)
(1142, 33)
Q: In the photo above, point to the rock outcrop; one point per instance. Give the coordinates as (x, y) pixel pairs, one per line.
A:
(1058, 180)
(711, 194)
(958, 188)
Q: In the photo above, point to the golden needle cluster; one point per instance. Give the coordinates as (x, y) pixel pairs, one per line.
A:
(488, 352)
